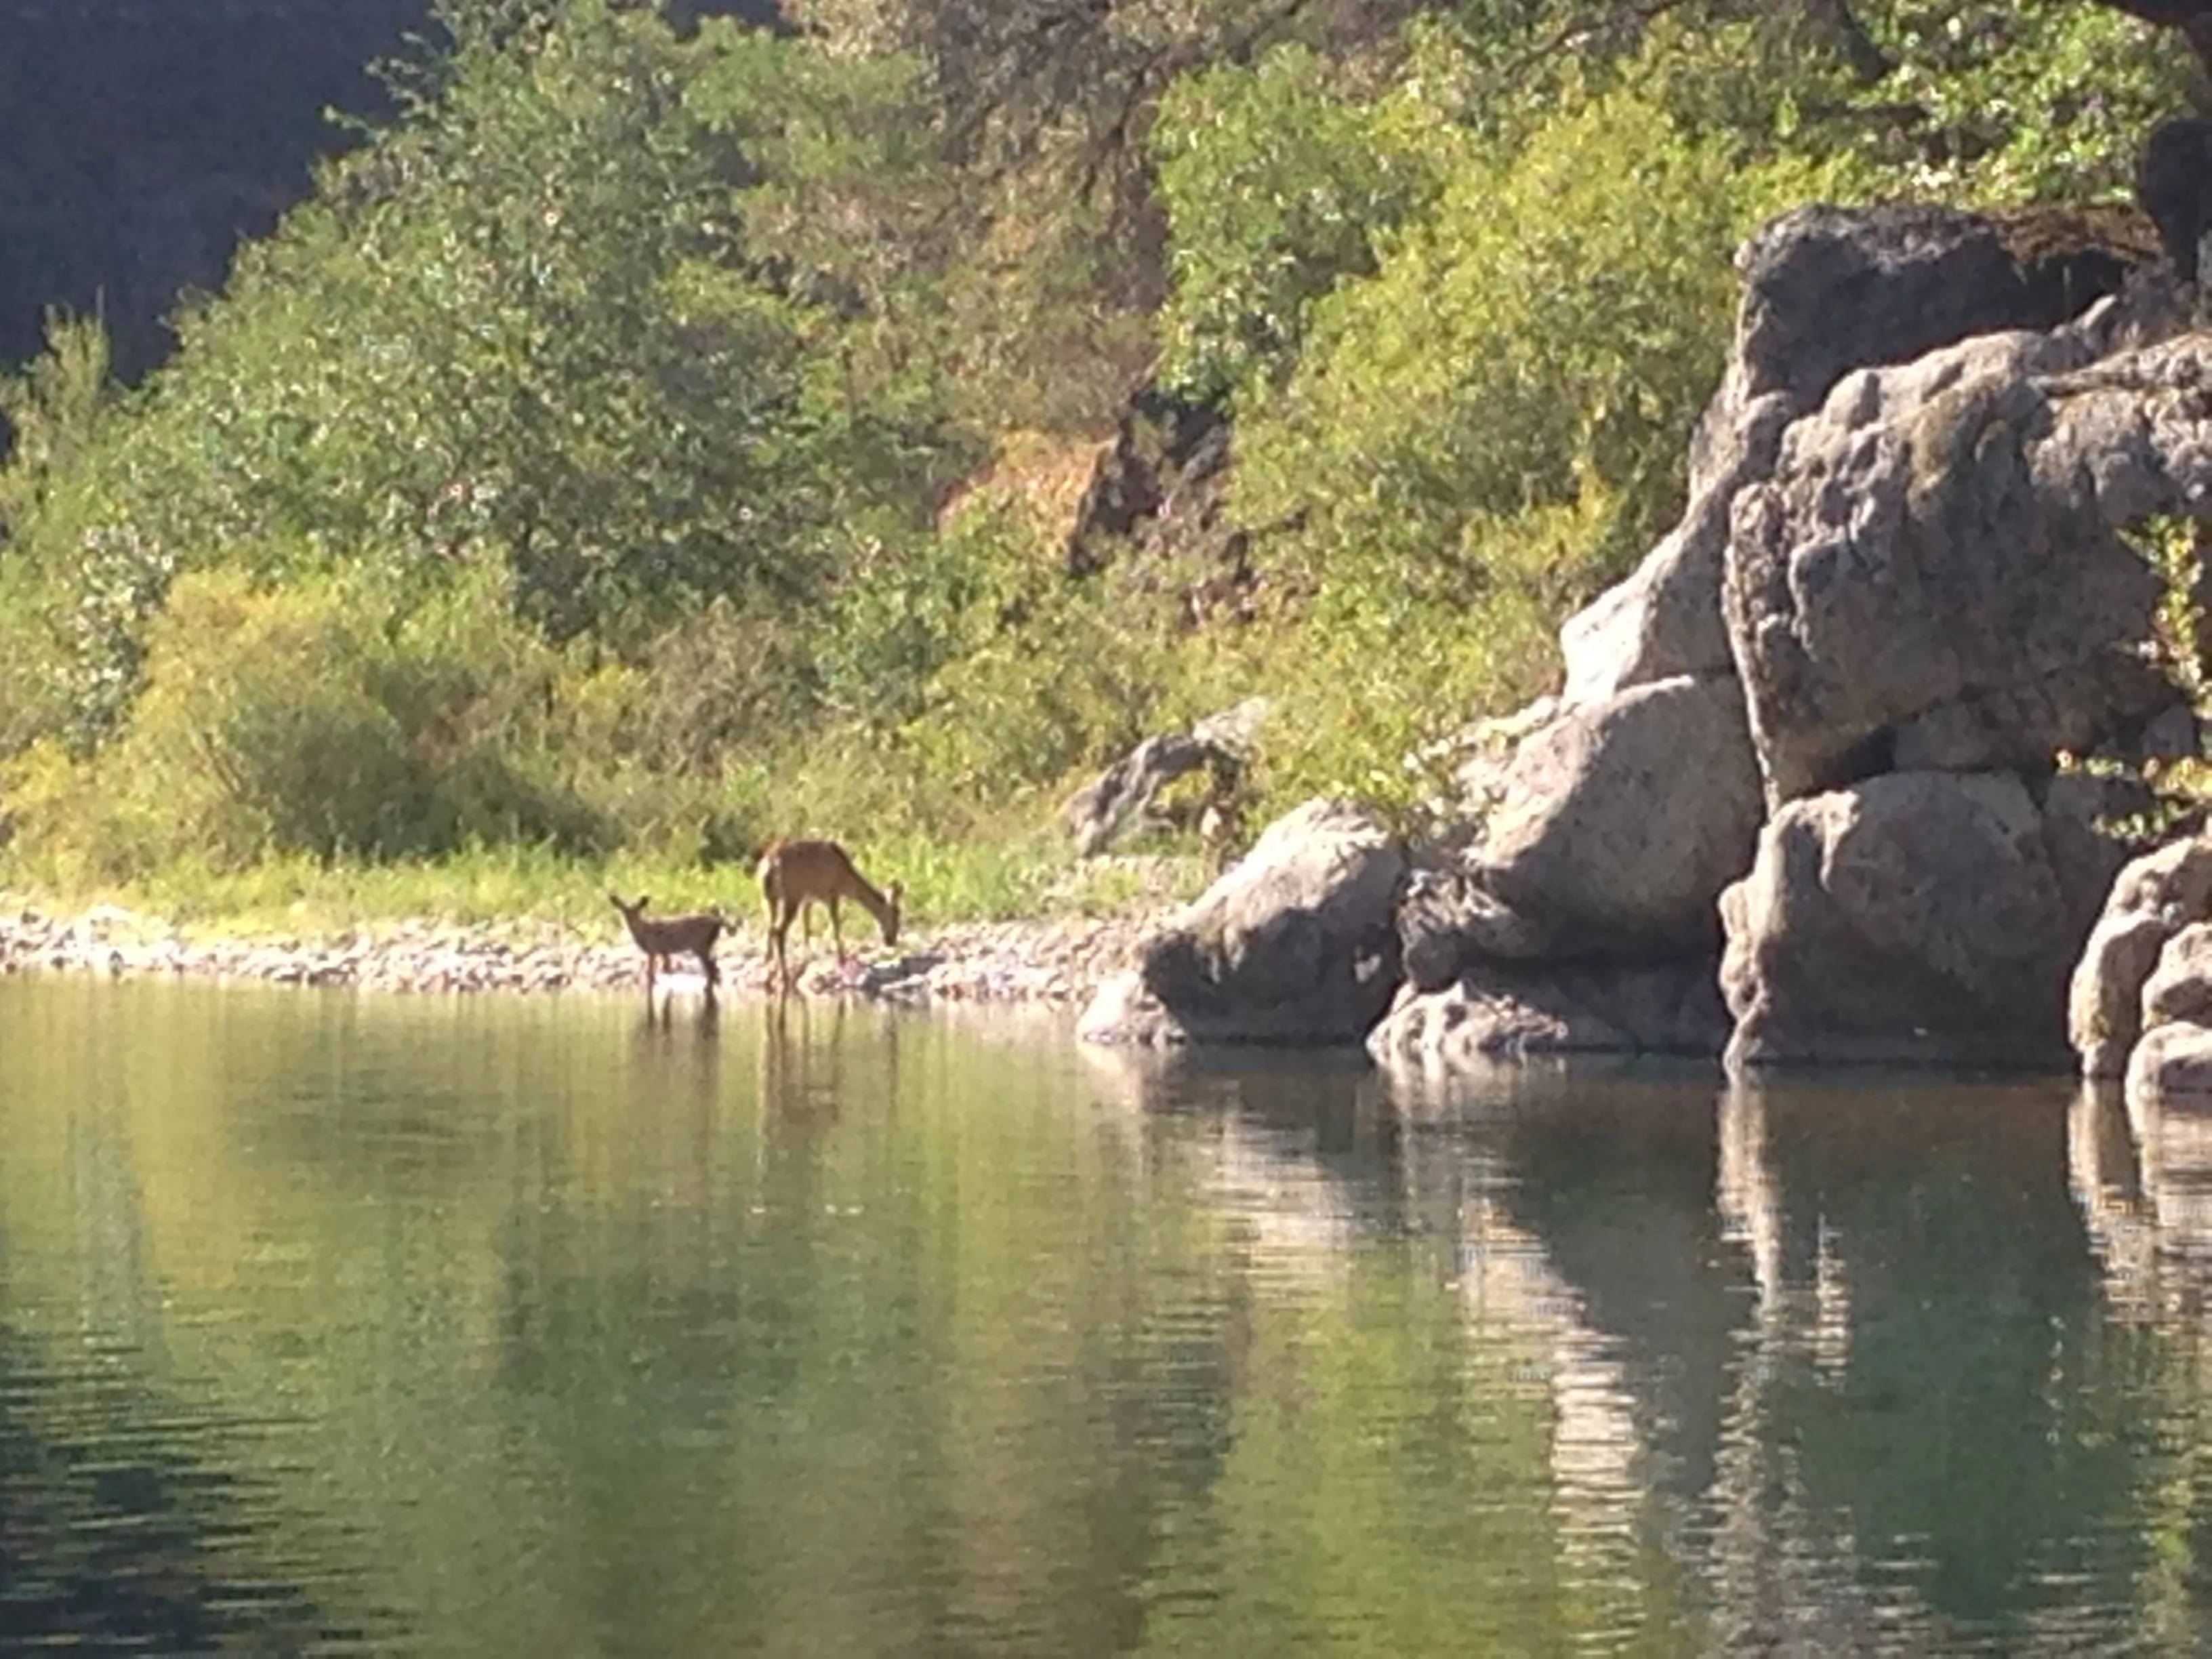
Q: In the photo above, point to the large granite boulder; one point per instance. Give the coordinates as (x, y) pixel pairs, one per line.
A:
(2172, 1066)
(1493, 1010)
(1825, 290)
(1830, 289)
(1295, 944)
(1619, 822)
(1935, 576)
(2124, 984)
(1916, 916)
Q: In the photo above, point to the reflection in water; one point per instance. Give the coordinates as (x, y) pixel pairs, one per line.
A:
(803, 1327)
(2108, 1188)
(2141, 1174)
(112, 1538)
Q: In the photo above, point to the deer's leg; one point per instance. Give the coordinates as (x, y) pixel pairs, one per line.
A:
(837, 933)
(781, 935)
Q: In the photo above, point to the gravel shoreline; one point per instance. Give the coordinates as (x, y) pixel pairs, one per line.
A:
(1054, 963)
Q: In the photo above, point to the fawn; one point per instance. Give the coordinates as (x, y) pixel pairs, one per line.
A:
(673, 936)
(795, 874)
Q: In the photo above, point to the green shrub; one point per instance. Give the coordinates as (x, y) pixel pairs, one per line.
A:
(1277, 182)
(1555, 326)
(317, 718)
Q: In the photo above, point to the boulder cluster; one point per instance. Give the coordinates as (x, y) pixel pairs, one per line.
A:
(1833, 774)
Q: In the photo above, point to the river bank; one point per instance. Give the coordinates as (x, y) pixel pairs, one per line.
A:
(1054, 962)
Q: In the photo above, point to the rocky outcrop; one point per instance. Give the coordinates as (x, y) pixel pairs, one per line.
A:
(1934, 577)
(2173, 182)
(2139, 1005)
(1899, 556)
(1493, 1010)
(1620, 820)
(1827, 291)
(1220, 745)
(1294, 945)
(1919, 917)
(1157, 505)
(1804, 772)
(1168, 458)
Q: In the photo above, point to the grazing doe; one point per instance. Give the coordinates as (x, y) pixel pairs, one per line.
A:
(795, 874)
(673, 936)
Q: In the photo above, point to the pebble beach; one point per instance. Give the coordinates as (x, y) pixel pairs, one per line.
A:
(1058, 963)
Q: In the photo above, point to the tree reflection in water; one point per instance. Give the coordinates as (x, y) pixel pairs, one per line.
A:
(114, 1536)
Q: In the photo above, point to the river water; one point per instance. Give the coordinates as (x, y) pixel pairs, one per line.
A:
(337, 1323)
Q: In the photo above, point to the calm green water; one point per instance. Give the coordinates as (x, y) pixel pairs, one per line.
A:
(531, 1327)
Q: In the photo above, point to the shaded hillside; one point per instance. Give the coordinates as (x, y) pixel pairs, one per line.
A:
(141, 139)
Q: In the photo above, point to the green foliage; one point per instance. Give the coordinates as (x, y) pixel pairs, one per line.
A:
(1051, 676)
(1382, 675)
(2044, 100)
(2180, 787)
(1551, 329)
(525, 326)
(1276, 185)
(318, 720)
(571, 472)
(74, 587)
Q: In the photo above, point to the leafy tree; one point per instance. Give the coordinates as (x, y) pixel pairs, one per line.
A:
(2040, 100)
(526, 327)
(1551, 329)
(1276, 185)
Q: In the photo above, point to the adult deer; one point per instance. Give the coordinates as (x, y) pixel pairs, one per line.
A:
(795, 874)
(668, 937)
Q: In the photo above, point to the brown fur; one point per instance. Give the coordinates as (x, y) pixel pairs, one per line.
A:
(669, 937)
(795, 874)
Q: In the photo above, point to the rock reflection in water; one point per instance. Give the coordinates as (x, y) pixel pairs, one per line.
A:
(2142, 1178)
(1827, 1320)
(826, 1328)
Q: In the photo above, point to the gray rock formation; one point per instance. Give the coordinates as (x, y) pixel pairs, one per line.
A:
(1827, 290)
(1934, 577)
(2179, 989)
(1295, 944)
(1221, 745)
(2124, 986)
(1620, 821)
(1901, 585)
(2172, 1065)
(1579, 904)
(1917, 916)
(1490, 1010)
